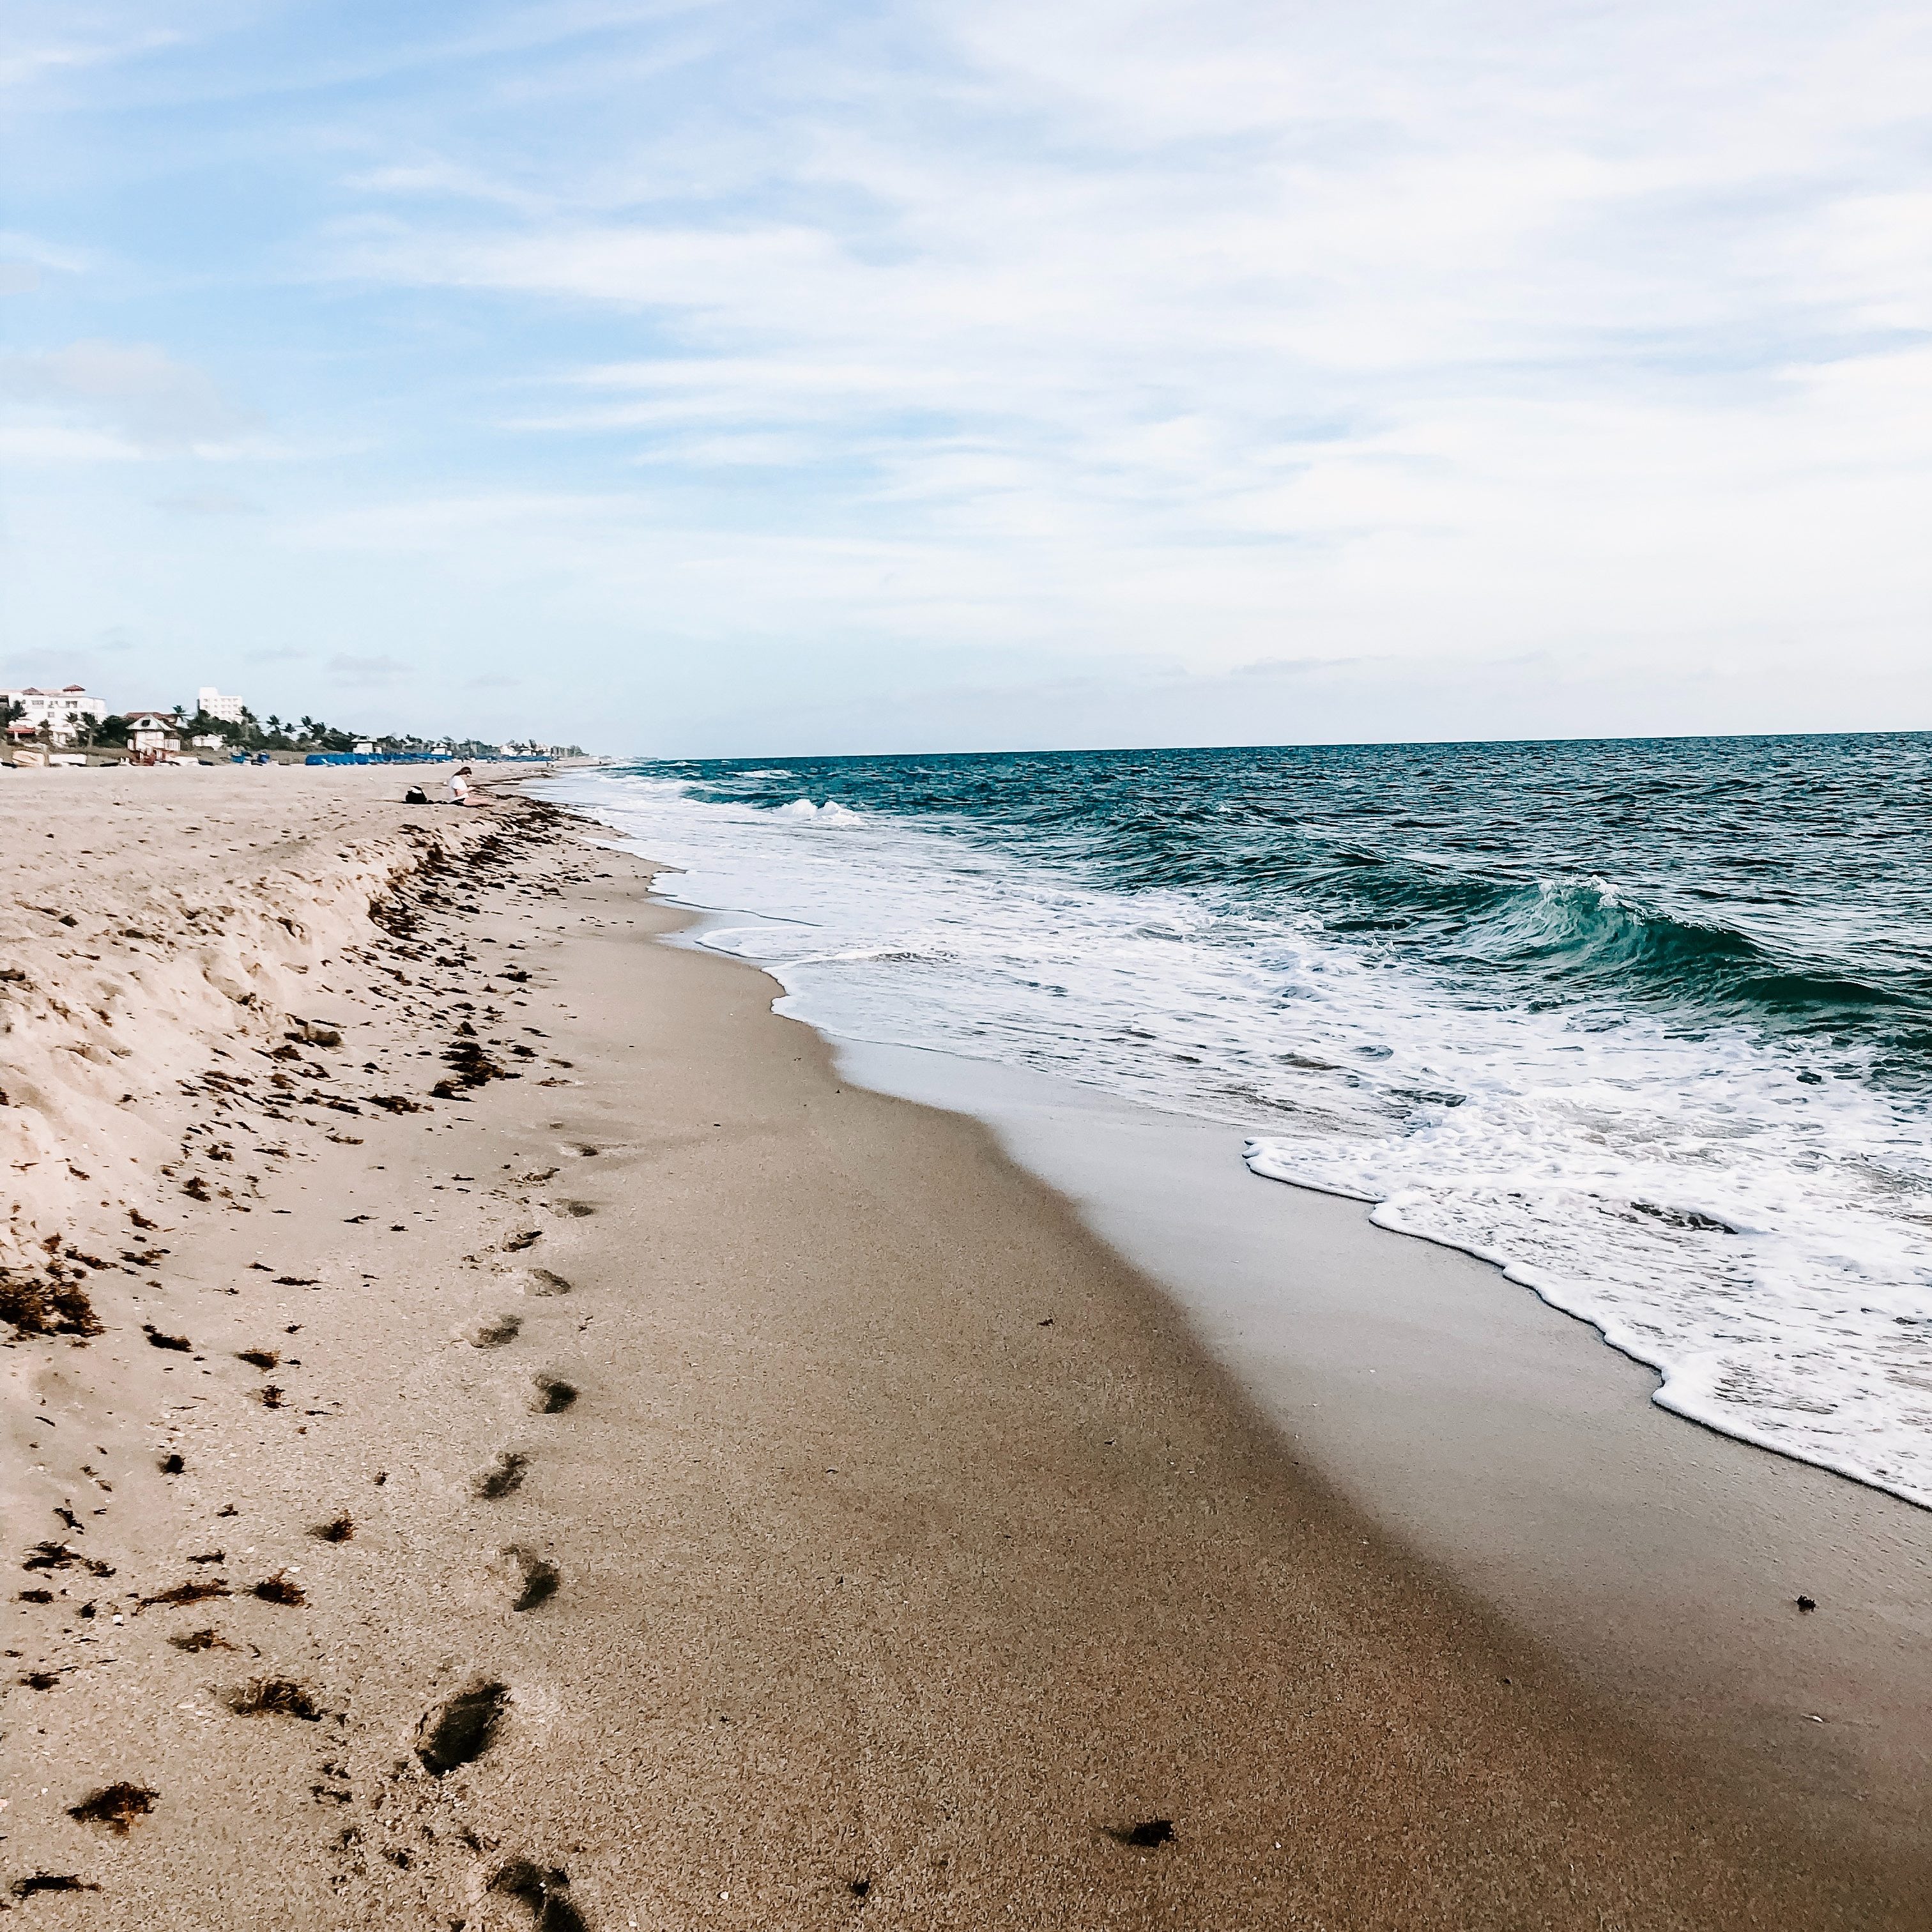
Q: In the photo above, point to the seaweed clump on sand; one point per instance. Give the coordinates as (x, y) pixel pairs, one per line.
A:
(116, 1806)
(470, 1066)
(58, 1556)
(51, 1303)
(201, 1639)
(274, 1696)
(197, 1590)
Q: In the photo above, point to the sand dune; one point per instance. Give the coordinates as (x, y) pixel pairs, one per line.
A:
(149, 920)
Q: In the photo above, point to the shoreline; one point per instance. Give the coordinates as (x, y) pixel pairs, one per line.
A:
(1504, 1439)
(1079, 1089)
(896, 1550)
(1496, 1437)
(1640, 1138)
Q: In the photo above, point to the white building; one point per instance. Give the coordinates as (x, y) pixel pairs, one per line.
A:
(228, 709)
(153, 731)
(60, 713)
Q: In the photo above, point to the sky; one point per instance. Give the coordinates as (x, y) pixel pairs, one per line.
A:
(692, 380)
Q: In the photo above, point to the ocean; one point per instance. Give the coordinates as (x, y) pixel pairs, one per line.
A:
(1648, 1024)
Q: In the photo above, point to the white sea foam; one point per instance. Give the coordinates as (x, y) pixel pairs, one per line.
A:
(830, 813)
(1755, 1227)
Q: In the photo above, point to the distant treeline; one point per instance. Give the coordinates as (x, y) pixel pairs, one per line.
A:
(250, 733)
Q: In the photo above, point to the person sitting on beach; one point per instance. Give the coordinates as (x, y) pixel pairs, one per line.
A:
(459, 785)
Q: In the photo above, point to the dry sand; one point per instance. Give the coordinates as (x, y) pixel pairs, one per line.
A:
(685, 1491)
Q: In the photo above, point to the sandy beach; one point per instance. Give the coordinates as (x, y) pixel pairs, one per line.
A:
(502, 1432)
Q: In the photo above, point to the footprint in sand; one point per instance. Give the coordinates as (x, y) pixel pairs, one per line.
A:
(542, 1889)
(459, 1730)
(537, 1578)
(553, 1394)
(504, 1475)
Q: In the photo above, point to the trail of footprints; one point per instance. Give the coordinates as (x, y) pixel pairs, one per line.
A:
(458, 1729)
(404, 1826)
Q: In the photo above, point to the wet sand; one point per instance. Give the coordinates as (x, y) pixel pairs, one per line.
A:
(1504, 1442)
(888, 1550)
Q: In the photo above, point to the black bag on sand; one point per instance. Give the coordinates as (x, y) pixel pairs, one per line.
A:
(415, 795)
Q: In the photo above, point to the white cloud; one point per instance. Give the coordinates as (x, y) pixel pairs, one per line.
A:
(1289, 328)
(432, 179)
(38, 444)
(1145, 340)
(24, 61)
(366, 672)
(208, 503)
(137, 398)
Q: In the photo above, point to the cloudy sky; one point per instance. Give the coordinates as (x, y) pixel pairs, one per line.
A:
(758, 378)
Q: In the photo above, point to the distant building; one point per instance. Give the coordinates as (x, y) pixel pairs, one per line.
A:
(228, 709)
(62, 714)
(363, 747)
(153, 731)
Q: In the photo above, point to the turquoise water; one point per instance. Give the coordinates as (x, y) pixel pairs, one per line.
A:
(1648, 1023)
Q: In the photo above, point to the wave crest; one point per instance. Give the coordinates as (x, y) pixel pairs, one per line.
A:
(1588, 928)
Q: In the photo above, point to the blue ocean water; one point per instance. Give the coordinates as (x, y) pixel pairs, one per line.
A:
(1649, 1023)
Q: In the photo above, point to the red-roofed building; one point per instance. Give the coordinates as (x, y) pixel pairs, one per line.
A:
(153, 731)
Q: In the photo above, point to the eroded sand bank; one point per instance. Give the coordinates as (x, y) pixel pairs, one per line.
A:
(670, 1487)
